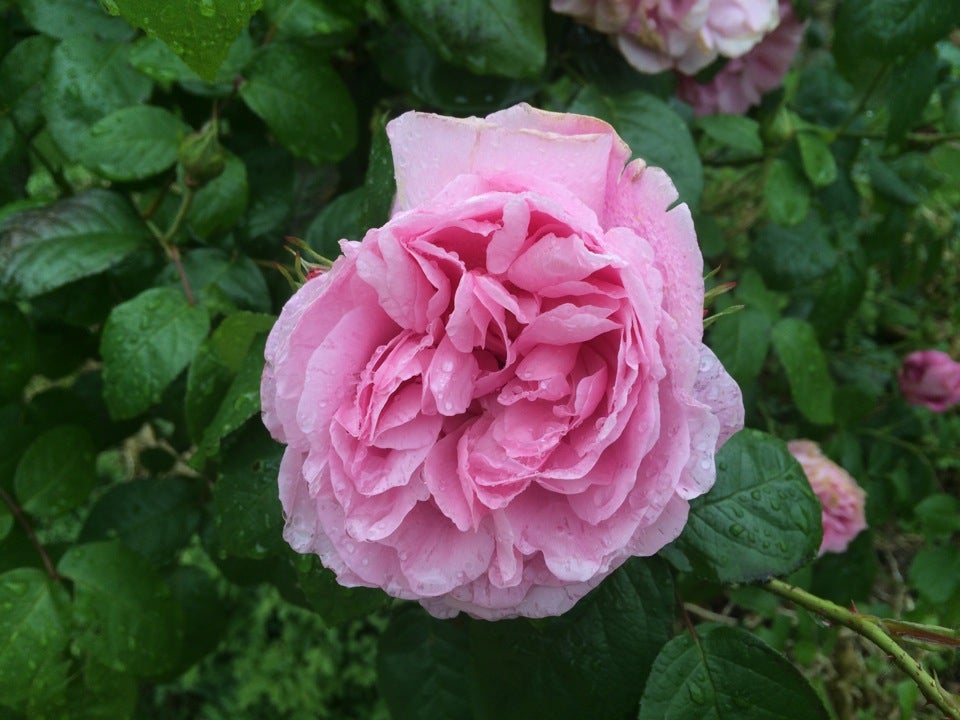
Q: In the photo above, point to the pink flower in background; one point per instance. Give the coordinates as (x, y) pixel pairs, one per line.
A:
(657, 35)
(841, 498)
(495, 399)
(741, 83)
(930, 378)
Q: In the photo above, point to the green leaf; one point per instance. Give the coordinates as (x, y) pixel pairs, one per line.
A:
(733, 131)
(339, 220)
(817, 159)
(742, 341)
(247, 506)
(45, 248)
(23, 70)
(912, 82)
(199, 31)
(839, 297)
(205, 613)
(154, 517)
(216, 365)
(848, 576)
(220, 204)
(796, 345)
(133, 143)
(889, 184)
(310, 113)
(56, 472)
(125, 614)
(212, 272)
(146, 342)
(307, 18)
(70, 18)
(154, 58)
(87, 80)
(653, 131)
(34, 631)
(271, 175)
(15, 436)
(588, 663)
(100, 693)
(938, 515)
(792, 257)
(786, 193)
(883, 29)
(935, 572)
(406, 62)
(18, 351)
(726, 672)
(760, 519)
(424, 667)
(330, 600)
(240, 403)
(488, 37)
(379, 185)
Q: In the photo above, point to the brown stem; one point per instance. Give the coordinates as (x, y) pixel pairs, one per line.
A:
(28, 529)
(174, 253)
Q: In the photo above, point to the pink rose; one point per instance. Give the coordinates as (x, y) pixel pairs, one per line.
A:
(841, 498)
(495, 399)
(742, 81)
(657, 35)
(930, 378)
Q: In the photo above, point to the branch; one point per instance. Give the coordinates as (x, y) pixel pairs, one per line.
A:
(872, 630)
(28, 529)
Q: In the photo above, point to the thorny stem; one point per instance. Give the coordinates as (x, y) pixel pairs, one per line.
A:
(873, 629)
(28, 529)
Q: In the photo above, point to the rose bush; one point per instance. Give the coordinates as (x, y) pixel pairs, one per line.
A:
(495, 399)
(741, 83)
(930, 378)
(843, 501)
(683, 34)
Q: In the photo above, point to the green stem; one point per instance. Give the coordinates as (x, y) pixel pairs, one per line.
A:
(169, 247)
(185, 202)
(873, 631)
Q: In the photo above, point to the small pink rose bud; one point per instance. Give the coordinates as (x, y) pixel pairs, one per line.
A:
(930, 378)
(840, 497)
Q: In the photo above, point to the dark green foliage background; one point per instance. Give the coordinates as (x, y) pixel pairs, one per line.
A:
(153, 168)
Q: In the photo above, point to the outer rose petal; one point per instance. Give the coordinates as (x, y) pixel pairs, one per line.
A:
(494, 400)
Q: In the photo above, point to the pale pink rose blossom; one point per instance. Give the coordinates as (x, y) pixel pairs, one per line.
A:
(841, 498)
(495, 399)
(688, 35)
(741, 83)
(930, 378)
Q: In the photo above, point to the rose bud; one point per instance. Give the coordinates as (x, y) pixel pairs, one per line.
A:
(840, 497)
(930, 378)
